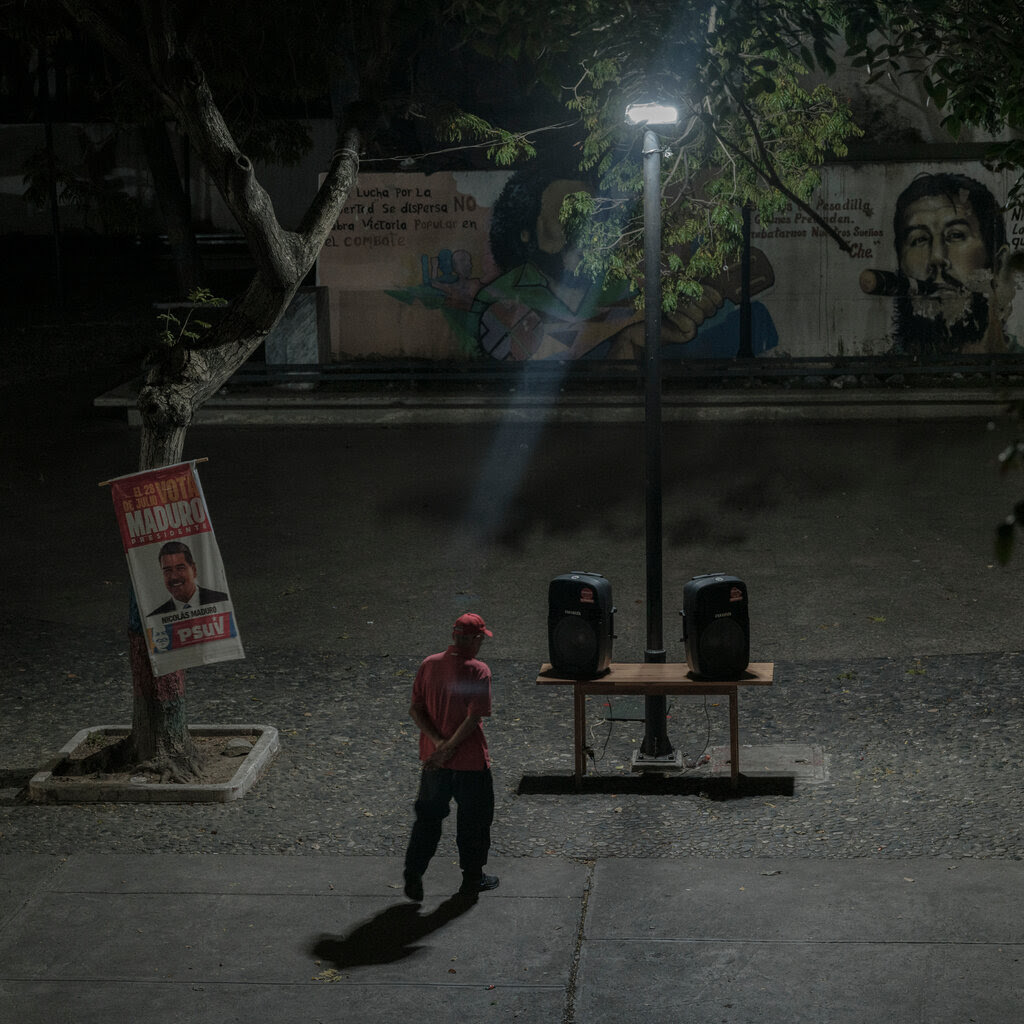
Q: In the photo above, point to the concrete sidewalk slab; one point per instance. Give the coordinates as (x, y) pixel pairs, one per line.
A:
(799, 983)
(796, 941)
(306, 1003)
(289, 937)
(20, 875)
(212, 939)
(283, 940)
(867, 900)
(372, 877)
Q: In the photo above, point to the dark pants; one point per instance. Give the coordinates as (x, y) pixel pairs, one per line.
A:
(474, 799)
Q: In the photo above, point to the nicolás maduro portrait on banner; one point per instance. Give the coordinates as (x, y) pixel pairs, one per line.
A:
(176, 570)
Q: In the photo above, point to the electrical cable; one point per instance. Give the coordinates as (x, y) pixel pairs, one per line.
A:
(610, 719)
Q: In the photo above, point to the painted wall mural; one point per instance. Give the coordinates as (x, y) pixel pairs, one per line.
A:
(952, 284)
(477, 265)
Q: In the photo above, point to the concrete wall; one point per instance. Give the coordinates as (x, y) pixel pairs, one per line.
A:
(411, 272)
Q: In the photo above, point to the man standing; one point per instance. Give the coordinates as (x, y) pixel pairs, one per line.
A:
(450, 697)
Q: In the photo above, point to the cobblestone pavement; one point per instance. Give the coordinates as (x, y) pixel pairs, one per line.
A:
(922, 758)
(349, 552)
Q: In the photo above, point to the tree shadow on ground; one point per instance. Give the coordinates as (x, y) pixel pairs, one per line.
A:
(718, 479)
(389, 936)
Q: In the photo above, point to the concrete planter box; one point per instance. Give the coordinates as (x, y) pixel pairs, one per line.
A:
(46, 788)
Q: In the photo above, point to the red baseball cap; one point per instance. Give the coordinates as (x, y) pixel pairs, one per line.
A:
(471, 624)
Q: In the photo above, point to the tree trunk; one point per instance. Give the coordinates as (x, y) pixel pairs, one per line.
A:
(174, 389)
(159, 736)
(186, 374)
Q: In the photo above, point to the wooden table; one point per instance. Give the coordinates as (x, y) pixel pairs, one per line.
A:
(652, 680)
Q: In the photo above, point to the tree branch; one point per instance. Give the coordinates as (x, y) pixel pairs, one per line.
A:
(175, 76)
(197, 112)
(767, 171)
(341, 176)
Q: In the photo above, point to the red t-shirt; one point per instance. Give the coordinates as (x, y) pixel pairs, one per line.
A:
(450, 687)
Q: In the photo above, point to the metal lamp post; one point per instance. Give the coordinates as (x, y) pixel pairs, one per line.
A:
(656, 750)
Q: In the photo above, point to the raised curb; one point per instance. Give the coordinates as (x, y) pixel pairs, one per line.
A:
(44, 788)
(263, 406)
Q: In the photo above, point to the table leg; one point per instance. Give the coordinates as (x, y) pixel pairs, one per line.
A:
(578, 730)
(734, 736)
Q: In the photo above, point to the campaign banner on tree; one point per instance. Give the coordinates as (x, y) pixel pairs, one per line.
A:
(176, 569)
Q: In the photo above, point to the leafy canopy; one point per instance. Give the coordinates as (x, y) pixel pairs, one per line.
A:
(969, 55)
(754, 128)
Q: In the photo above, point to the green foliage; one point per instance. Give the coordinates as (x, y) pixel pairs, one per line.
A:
(969, 56)
(190, 330)
(503, 147)
(753, 132)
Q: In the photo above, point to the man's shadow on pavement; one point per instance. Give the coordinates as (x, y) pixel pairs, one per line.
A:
(390, 935)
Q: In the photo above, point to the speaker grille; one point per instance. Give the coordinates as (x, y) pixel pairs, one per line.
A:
(716, 625)
(576, 643)
(580, 630)
(723, 648)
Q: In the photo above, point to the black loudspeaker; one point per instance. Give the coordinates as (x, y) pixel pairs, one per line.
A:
(716, 626)
(580, 624)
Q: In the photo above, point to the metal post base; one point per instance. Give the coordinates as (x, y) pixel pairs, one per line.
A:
(671, 762)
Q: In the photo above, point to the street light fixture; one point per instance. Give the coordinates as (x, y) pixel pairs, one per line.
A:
(656, 750)
(653, 115)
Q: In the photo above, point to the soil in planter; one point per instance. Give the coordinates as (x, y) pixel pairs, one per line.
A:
(92, 757)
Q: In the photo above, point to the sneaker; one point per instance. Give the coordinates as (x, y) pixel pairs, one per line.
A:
(414, 887)
(472, 886)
